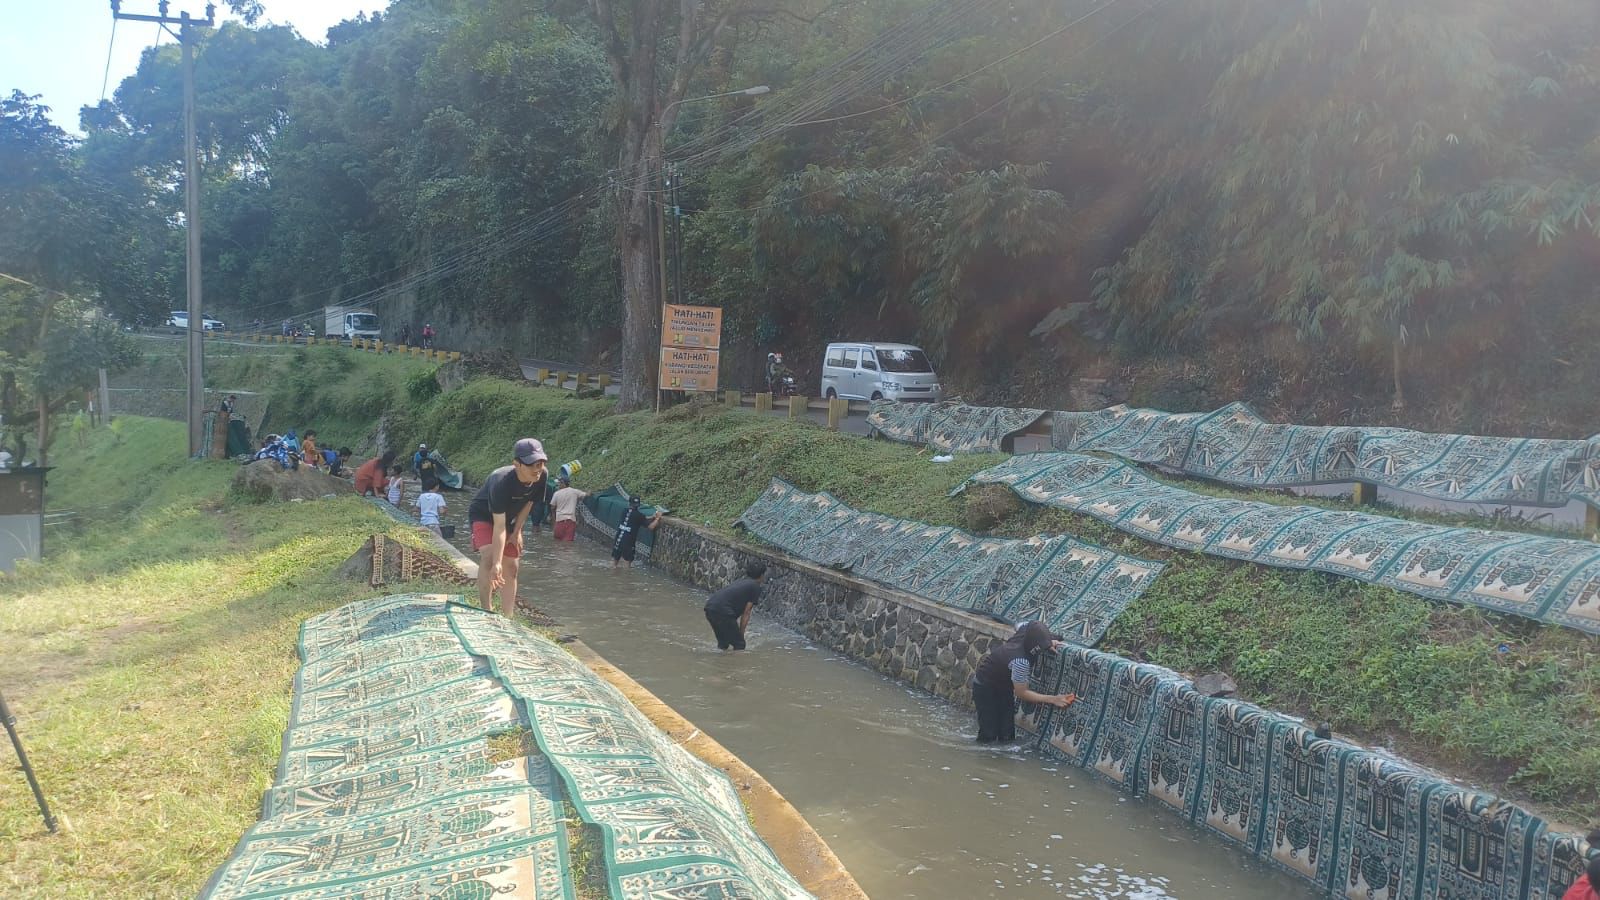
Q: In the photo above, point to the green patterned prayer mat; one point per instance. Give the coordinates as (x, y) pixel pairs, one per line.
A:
(673, 825)
(951, 427)
(1553, 580)
(1236, 446)
(1351, 822)
(603, 511)
(387, 786)
(1075, 588)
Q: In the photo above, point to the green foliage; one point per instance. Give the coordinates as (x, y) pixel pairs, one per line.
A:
(423, 385)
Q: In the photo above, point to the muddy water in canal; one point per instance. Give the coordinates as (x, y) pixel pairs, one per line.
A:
(890, 777)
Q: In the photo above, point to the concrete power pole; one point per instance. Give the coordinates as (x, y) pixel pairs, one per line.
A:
(191, 208)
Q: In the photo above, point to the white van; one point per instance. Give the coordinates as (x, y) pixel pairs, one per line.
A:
(878, 372)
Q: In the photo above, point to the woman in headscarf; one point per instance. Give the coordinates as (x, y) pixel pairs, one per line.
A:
(1002, 680)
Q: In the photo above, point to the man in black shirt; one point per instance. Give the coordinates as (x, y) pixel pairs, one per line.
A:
(497, 513)
(728, 610)
(622, 549)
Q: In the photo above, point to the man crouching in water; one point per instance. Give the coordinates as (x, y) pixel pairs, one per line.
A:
(1002, 680)
(497, 514)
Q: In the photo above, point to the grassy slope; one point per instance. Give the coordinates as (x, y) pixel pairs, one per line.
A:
(150, 662)
(1427, 678)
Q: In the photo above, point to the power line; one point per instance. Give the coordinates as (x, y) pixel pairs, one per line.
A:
(106, 78)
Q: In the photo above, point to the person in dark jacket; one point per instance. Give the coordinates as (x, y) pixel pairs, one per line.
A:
(1002, 680)
(728, 610)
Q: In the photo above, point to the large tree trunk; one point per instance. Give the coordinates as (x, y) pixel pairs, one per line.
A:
(640, 293)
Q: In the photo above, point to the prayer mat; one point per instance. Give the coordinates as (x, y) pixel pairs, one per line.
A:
(1558, 861)
(388, 786)
(951, 427)
(1475, 847)
(1379, 854)
(1125, 725)
(1068, 734)
(1233, 780)
(1172, 759)
(1553, 580)
(1236, 446)
(1302, 802)
(1076, 588)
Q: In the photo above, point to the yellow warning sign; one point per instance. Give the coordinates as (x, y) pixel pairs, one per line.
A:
(688, 369)
(692, 326)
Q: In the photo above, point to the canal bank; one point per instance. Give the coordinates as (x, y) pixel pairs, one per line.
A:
(797, 845)
(889, 777)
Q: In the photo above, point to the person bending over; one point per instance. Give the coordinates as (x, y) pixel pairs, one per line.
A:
(497, 513)
(1002, 680)
(728, 610)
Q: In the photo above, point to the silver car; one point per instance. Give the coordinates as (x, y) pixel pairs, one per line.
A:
(872, 371)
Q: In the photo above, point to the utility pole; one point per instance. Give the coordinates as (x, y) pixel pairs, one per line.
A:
(187, 34)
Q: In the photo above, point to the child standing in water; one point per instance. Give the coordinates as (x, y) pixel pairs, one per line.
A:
(430, 503)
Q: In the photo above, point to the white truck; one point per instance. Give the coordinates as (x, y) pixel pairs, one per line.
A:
(349, 322)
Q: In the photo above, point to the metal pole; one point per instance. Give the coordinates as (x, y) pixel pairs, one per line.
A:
(105, 399)
(27, 768)
(191, 217)
(661, 253)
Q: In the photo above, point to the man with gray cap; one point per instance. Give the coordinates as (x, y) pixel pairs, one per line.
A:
(497, 514)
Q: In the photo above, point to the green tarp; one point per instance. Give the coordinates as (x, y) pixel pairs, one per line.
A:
(951, 427)
(1348, 821)
(1234, 445)
(603, 511)
(1549, 579)
(1075, 588)
(387, 785)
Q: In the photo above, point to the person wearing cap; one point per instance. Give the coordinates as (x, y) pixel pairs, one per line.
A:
(564, 509)
(1002, 680)
(422, 463)
(627, 541)
(496, 515)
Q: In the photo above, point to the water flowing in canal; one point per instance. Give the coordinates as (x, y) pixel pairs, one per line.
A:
(890, 777)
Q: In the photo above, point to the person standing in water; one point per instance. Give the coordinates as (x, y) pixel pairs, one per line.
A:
(728, 610)
(497, 514)
(1002, 680)
(622, 550)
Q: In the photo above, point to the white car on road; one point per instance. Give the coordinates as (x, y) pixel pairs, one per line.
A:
(178, 321)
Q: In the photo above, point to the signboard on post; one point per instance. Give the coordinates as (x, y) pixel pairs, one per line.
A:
(691, 342)
(688, 369)
(692, 326)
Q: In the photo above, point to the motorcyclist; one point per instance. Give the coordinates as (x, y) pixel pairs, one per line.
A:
(776, 373)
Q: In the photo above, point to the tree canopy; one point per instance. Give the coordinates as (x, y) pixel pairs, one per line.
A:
(1017, 187)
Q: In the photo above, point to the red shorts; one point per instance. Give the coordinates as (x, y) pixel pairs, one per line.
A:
(483, 536)
(566, 530)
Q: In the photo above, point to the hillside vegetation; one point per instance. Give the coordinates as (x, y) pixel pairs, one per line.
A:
(1507, 702)
(149, 662)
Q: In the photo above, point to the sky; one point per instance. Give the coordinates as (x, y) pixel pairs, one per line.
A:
(58, 48)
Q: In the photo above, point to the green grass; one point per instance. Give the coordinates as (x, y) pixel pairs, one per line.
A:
(1430, 680)
(149, 661)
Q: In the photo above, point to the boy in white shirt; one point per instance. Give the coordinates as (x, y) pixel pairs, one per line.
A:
(429, 504)
(397, 489)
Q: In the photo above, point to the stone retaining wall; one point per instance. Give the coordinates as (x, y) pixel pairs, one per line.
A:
(1222, 765)
(904, 637)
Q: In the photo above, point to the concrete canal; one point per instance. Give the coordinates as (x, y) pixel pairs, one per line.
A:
(890, 777)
